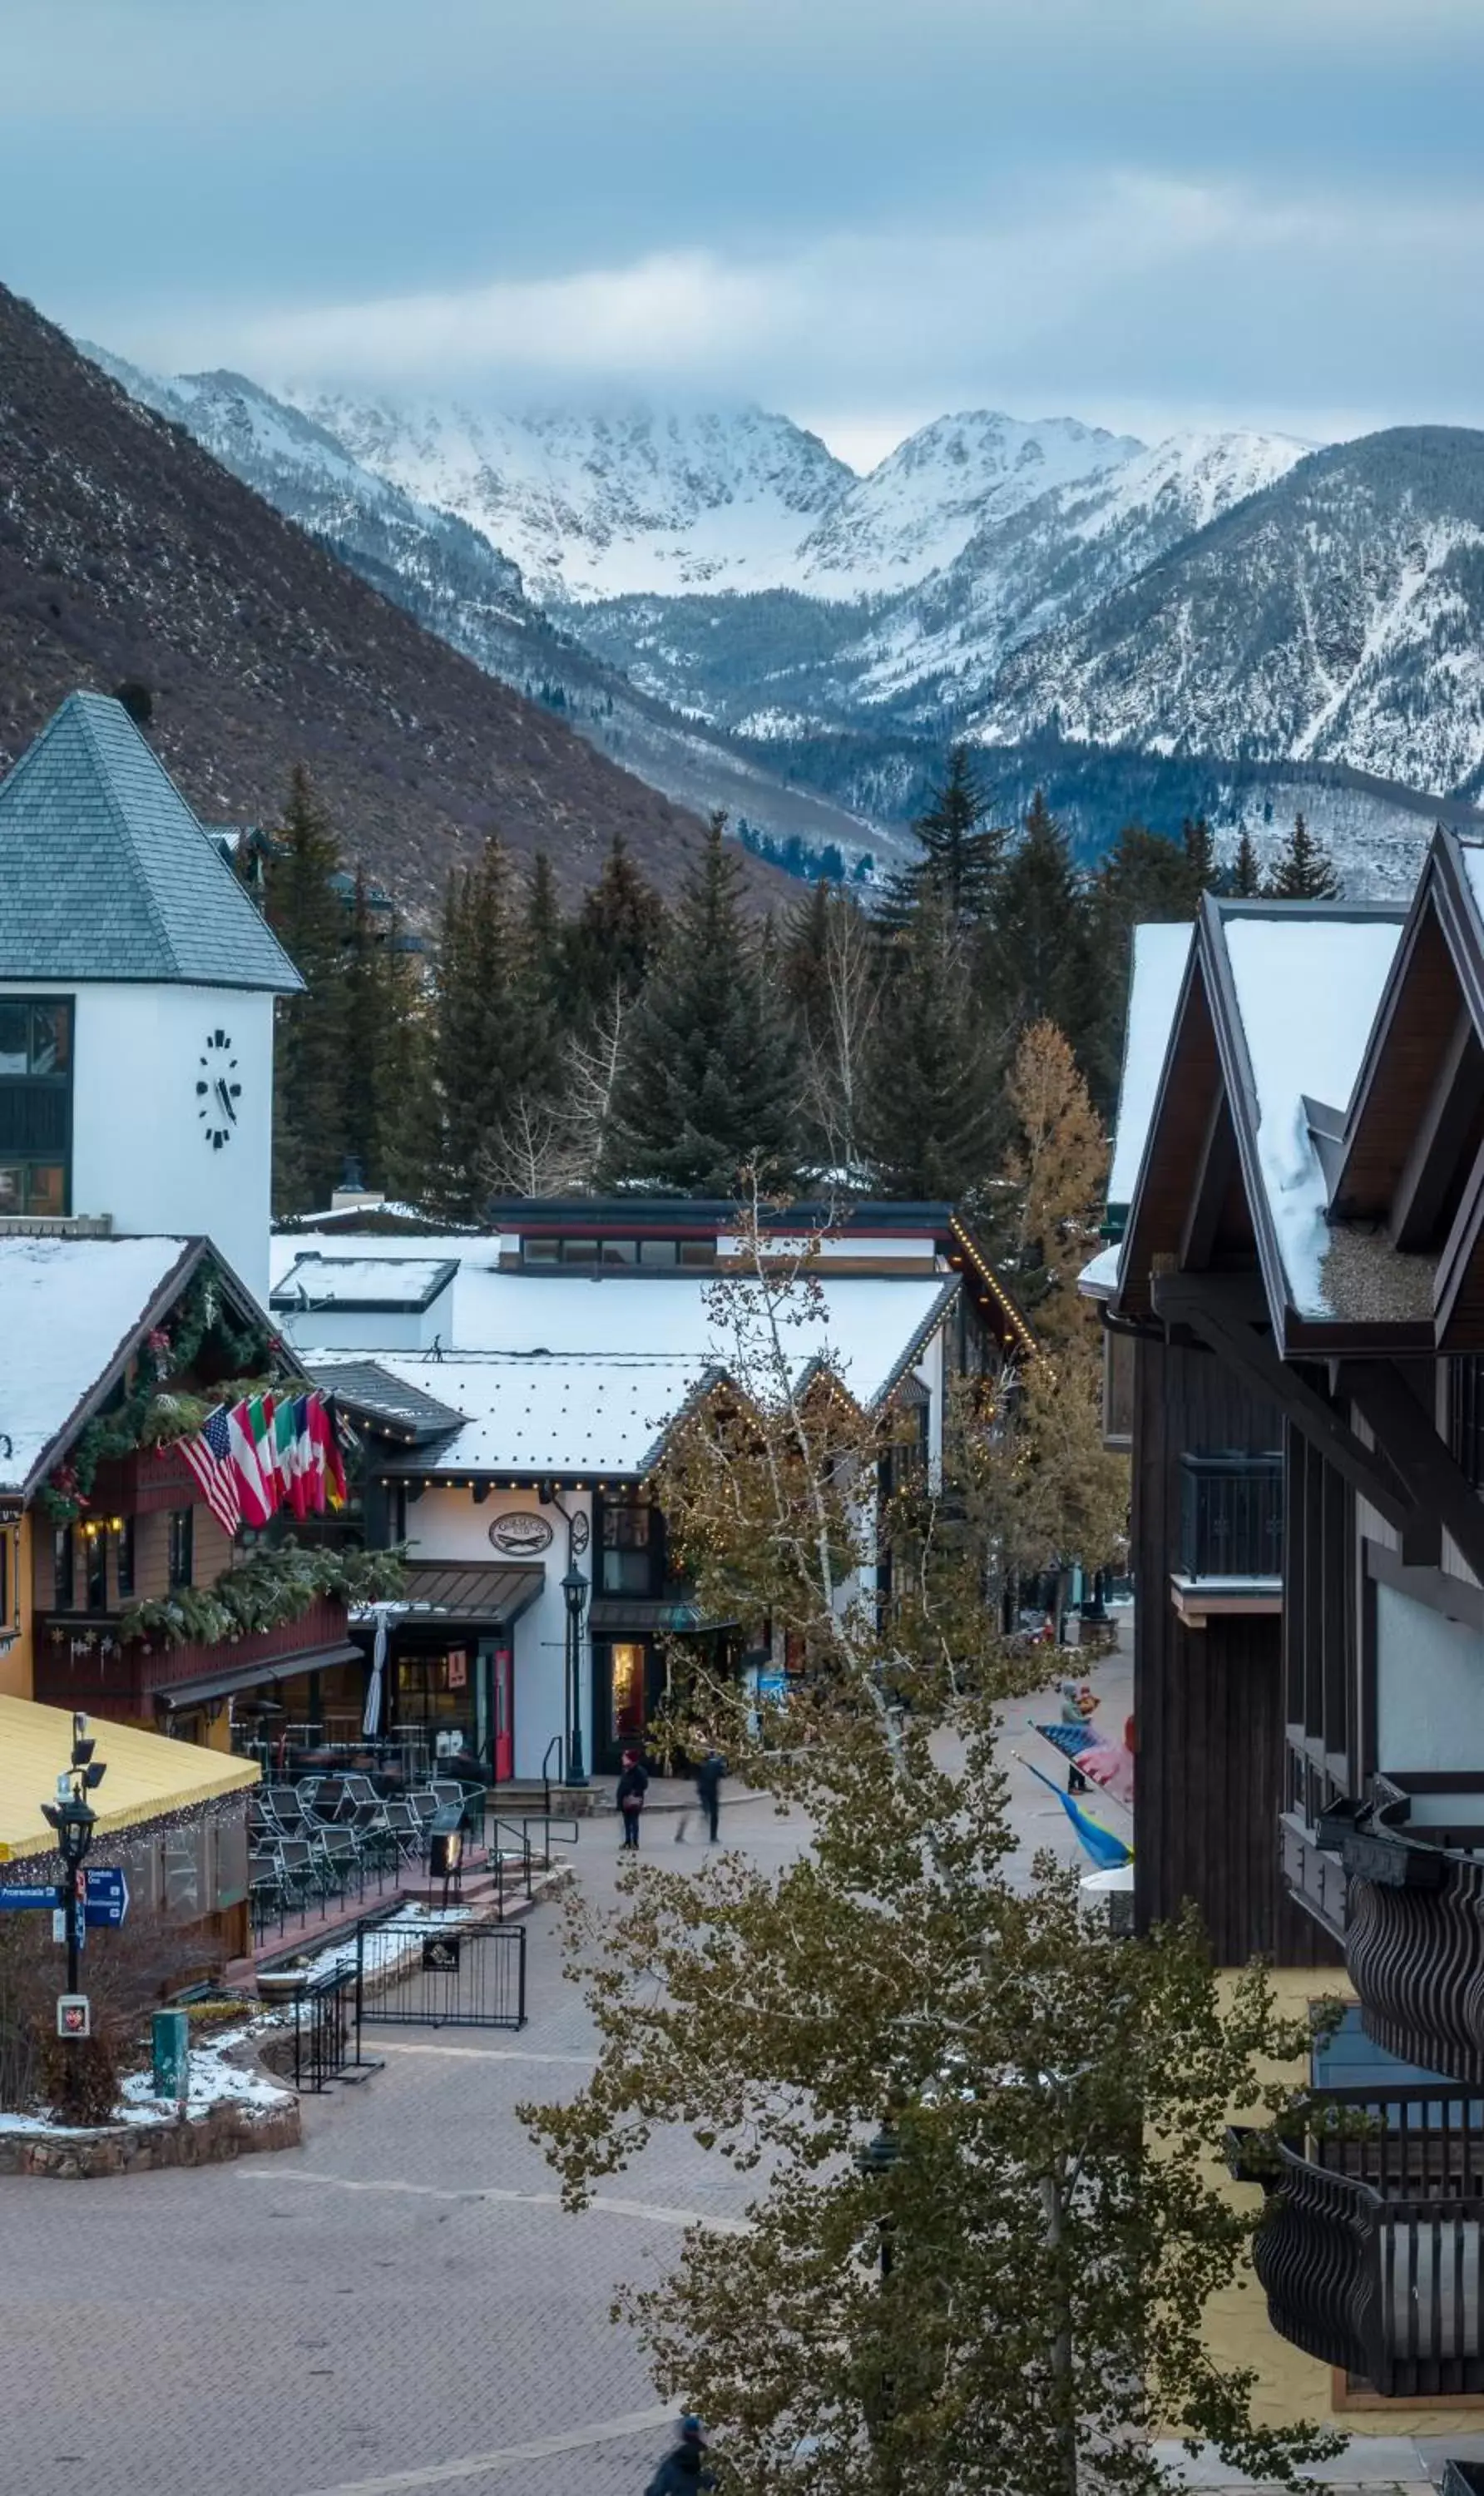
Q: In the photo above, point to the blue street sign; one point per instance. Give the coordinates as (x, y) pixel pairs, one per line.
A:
(43, 1894)
(108, 1894)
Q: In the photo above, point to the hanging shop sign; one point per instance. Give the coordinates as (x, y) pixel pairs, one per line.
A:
(521, 1534)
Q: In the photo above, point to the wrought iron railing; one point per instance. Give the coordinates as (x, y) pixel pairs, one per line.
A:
(1231, 1514)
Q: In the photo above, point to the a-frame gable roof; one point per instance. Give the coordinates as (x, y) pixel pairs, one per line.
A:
(105, 874)
(1273, 1018)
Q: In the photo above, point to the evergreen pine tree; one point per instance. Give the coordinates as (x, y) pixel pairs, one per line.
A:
(479, 1049)
(546, 941)
(929, 1111)
(709, 1081)
(615, 938)
(803, 971)
(408, 1156)
(1304, 872)
(366, 1008)
(1246, 873)
(1040, 954)
(1200, 845)
(960, 862)
(309, 1055)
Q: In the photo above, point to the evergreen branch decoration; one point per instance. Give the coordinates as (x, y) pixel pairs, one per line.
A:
(151, 1413)
(273, 1587)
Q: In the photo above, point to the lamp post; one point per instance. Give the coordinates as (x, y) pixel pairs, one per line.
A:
(73, 1816)
(574, 1595)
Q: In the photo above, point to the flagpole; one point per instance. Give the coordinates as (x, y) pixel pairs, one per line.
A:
(1094, 1784)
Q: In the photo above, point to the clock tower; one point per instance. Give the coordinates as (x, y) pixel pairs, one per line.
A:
(136, 988)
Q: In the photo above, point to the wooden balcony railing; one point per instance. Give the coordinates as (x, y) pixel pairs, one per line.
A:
(75, 1651)
(1371, 2251)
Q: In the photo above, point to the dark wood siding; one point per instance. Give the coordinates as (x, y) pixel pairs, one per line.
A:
(1208, 1703)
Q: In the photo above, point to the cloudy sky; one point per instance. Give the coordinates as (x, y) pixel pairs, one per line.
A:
(1145, 212)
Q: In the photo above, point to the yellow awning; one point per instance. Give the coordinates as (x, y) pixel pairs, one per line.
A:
(147, 1775)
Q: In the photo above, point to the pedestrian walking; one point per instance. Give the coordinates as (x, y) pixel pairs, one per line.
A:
(708, 1789)
(632, 1786)
(1074, 1712)
(685, 2469)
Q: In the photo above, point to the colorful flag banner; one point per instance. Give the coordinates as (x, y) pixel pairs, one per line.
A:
(258, 1491)
(210, 1459)
(1107, 1852)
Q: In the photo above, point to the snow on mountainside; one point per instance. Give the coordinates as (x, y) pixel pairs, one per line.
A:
(1338, 617)
(604, 505)
(923, 504)
(1054, 558)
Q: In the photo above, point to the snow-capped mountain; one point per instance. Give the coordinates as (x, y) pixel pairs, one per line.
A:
(1056, 557)
(1336, 616)
(601, 506)
(923, 505)
(447, 575)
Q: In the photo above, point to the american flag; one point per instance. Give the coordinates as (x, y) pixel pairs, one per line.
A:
(210, 1458)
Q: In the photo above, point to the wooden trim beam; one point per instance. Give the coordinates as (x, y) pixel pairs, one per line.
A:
(1213, 1177)
(1428, 1172)
(1220, 1317)
(1439, 1486)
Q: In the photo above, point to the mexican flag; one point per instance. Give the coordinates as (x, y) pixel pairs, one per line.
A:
(248, 1436)
(286, 1455)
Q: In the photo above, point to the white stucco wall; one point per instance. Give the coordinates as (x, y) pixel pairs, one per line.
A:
(447, 1525)
(140, 1152)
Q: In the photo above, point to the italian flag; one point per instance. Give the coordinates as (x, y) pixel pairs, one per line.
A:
(286, 1455)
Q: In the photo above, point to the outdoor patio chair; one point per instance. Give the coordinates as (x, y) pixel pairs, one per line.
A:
(341, 1852)
(301, 1869)
(424, 1804)
(406, 1826)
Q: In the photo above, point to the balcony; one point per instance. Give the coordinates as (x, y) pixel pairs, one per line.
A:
(1231, 1534)
(1371, 2251)
(1414, 1947)
(80, 1662)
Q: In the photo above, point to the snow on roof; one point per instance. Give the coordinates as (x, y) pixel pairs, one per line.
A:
(317, 1282)
(1159, 957)
(866, 1325)
(464, 1247)
(1098, 1278)
(67, 1308)
(1472, 855)
(537, 1412)
(1307, 992)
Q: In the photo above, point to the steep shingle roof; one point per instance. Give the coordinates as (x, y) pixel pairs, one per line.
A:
(105, 874)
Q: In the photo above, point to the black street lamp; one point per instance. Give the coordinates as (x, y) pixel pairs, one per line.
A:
(575, 1594)
(878, 2157)
(73, 1816)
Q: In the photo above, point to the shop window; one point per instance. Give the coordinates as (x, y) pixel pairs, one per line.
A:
(541, 1252)
(35, 1105)
(95, 1557)
(697, 1252)
(62, 1568)
(627, 1554)
(620, 1252)
(182, 1545)
(626, 1682)
(123, 1549)
(658, 1252)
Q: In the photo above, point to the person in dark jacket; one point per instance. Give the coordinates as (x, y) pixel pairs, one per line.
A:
(708, 1789)
(631, 1788)
(684, 2469)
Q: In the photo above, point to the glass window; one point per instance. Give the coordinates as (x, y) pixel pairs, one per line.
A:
(626, 1718)
(182, 1545)
(95, 1555)
(626, 1550)
(620, 1252)
(14, 1038)
(579, 1251)
(50, 1038)
(541, 1252)
(123, 1545)
(5, 1576)
(61, 1567)
(697, 1252)
(13, 1187)
(656, 1252)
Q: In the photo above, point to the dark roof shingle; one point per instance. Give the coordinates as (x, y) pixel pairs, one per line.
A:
(105, 874)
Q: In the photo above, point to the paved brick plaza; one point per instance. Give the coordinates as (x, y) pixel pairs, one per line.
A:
(368, 2313)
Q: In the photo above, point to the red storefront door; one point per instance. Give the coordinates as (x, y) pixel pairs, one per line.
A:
(502, 1679)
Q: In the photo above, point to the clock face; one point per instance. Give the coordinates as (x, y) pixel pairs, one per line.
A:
(218, 1090)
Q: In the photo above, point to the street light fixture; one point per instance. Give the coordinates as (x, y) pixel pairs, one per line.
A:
(575, 1591)
(73, 1818)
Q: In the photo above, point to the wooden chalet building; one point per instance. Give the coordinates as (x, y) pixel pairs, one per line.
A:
(1295, 1322)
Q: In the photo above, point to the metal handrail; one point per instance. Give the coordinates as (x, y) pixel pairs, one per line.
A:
(557, 1743)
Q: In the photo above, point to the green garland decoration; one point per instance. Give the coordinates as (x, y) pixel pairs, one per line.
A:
(271, 1587)
(152, 1415)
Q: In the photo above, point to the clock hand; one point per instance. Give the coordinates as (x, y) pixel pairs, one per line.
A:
(225, 1098)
